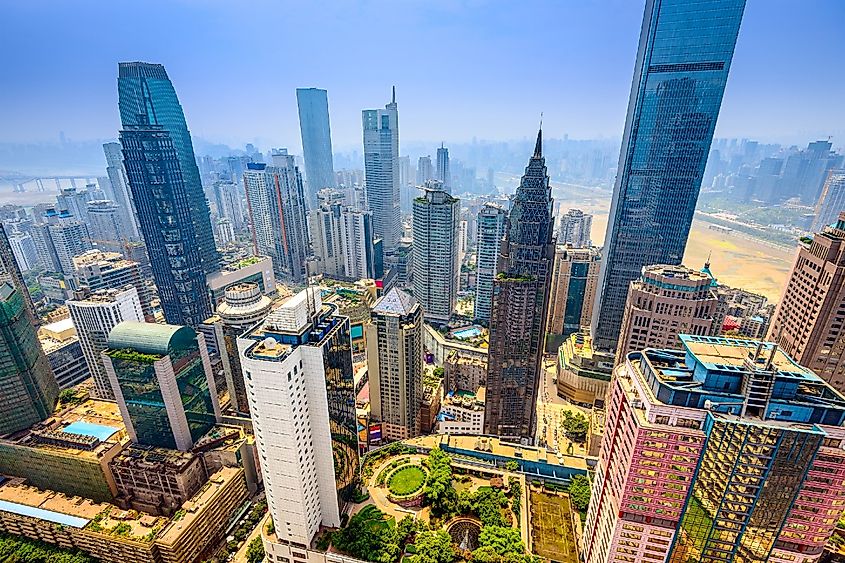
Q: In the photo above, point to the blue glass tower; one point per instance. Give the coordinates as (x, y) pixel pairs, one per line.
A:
(164, 213)
(147, 97)
(684, 55)
(313, 105)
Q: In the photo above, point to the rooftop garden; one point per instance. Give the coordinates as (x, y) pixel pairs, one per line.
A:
(134, 356)
(502, 276)
(249, 261)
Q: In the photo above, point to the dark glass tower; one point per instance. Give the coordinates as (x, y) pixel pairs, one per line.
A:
(164, 215)
(29, 388)
(147, 97)
(518, 312)
(684, 55)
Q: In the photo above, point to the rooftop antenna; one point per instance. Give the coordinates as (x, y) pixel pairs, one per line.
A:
(394, 95)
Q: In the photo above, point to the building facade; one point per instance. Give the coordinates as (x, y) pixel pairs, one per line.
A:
(94, 315)
(395, 364)
(298, 367)
(61, 344)
(163, 384)
(808, 320)
(726, 450)
(575, 229)
(574, 281)
(381, 168)
(583, 374)
(684, 56)
(444, 176)
(435, 247)
(97, 270)
(146, 97)
(28, 383)
(276, 202)
(664, 303)
(120, 192)
(831, 201)
(166, 215)
(313, 104)
(519, 307)
(491, 223)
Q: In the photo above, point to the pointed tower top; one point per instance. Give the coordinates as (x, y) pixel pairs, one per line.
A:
(538, 148)
(393, 101)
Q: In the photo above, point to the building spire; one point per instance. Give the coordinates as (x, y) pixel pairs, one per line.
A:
(538, 148)
(394, 95)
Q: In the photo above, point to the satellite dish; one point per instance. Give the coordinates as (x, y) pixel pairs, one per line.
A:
(270, 343)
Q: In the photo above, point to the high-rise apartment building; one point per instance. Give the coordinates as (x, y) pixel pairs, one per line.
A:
(10, 272)
(104, 222)
(808, 323)
(96, 270)
(575, 229)
(298, 368)
(166, 217)
(146, 98)
(313, 104)
(444, 176)
(229, 201)
(59, 238)
(574, 280)
(359, 253)
(276, 201)
(395, 364)
(664, 303)
(683, 59)
(24, 251)
(120, 192)
(519, 307)
(425, 170)
(29, 386)
(435, 247)
(162, 381)
(724, 451)
(325, 224)
(491, 222)
(831, 201)
(94, 315)
(381, 168)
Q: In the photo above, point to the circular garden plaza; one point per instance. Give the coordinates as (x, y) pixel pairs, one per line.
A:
(421, 505)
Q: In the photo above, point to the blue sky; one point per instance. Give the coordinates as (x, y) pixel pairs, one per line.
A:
(462, 69)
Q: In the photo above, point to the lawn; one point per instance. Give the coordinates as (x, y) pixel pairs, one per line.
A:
(406, 480)
(551, 527)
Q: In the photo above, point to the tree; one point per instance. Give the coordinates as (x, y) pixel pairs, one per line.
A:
(512, 465)
(579, 492)
(369, 535)
(576, 426)
(439, 478)
(407, 528)
(255, 551)
(433, 546)
(502, 540)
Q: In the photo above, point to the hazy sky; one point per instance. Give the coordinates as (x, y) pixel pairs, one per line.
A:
(462, 69)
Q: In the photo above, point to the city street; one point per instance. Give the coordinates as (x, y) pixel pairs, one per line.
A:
(550, 409)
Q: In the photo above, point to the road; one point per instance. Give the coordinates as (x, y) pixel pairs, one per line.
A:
(550, 409)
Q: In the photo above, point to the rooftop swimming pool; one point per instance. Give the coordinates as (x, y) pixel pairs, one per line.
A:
(82, 428)
(467, 333)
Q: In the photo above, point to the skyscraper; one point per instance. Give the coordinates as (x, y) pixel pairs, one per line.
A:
(664, 303)
(146, 97)
(395, 364)
(425, 170)
(94, 315)
(435, 246)
(574, 280)
(162, 381)
(491, 228)
(443, 174)
(61, 237)
(29, 386)
(684, 55)
(725, 451)
(831, 201)
(164, 214)
(520, 300)
(105, 224)
(10, 272)
(324, 225)
(298, 365)
(316, 133)
(276, 201)
(381, 168)
(96, 269)
(120, 192)
(24, 251)
(808, 321)
(575, 229)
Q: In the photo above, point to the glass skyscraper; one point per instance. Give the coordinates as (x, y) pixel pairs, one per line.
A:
(313, 105)
(684, 55)
(381, 167)
(164, 215)
(147, 97)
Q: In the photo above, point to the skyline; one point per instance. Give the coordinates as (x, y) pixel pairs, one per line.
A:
(780, 89)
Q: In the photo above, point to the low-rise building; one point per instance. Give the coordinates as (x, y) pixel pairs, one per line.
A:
(464, 372)
(462, 413)
(64, 352)
(440, 345)
(582, 372)
(253, 269)
(430, 404)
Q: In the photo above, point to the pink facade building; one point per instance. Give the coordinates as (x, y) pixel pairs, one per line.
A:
(725, 451)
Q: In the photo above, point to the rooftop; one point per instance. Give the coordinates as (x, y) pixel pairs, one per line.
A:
(147, 338)
(396, 302)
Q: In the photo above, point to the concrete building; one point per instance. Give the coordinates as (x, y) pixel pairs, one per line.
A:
(583, 373)
(435, 245)
(395, 364)
(298, 367)
(575, 229)
(726, 450)
(59, 238)
(64, 352)
(10, 272)
(665, 302)
(808, 321)
(425, 170)
(342, 238)
(462, 413)
(162, 381)
(23, 248)
(97, 270)
(432, 396)
(741, 313)
(94, 315)
(491, 222)
(463, 372)
(120, 192)
(105, 224)
(574, 281)
(831, 202)
(29, 386)
(252, 269)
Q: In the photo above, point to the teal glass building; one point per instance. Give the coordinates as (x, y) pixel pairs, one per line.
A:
(163, 383)
(682, 66)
